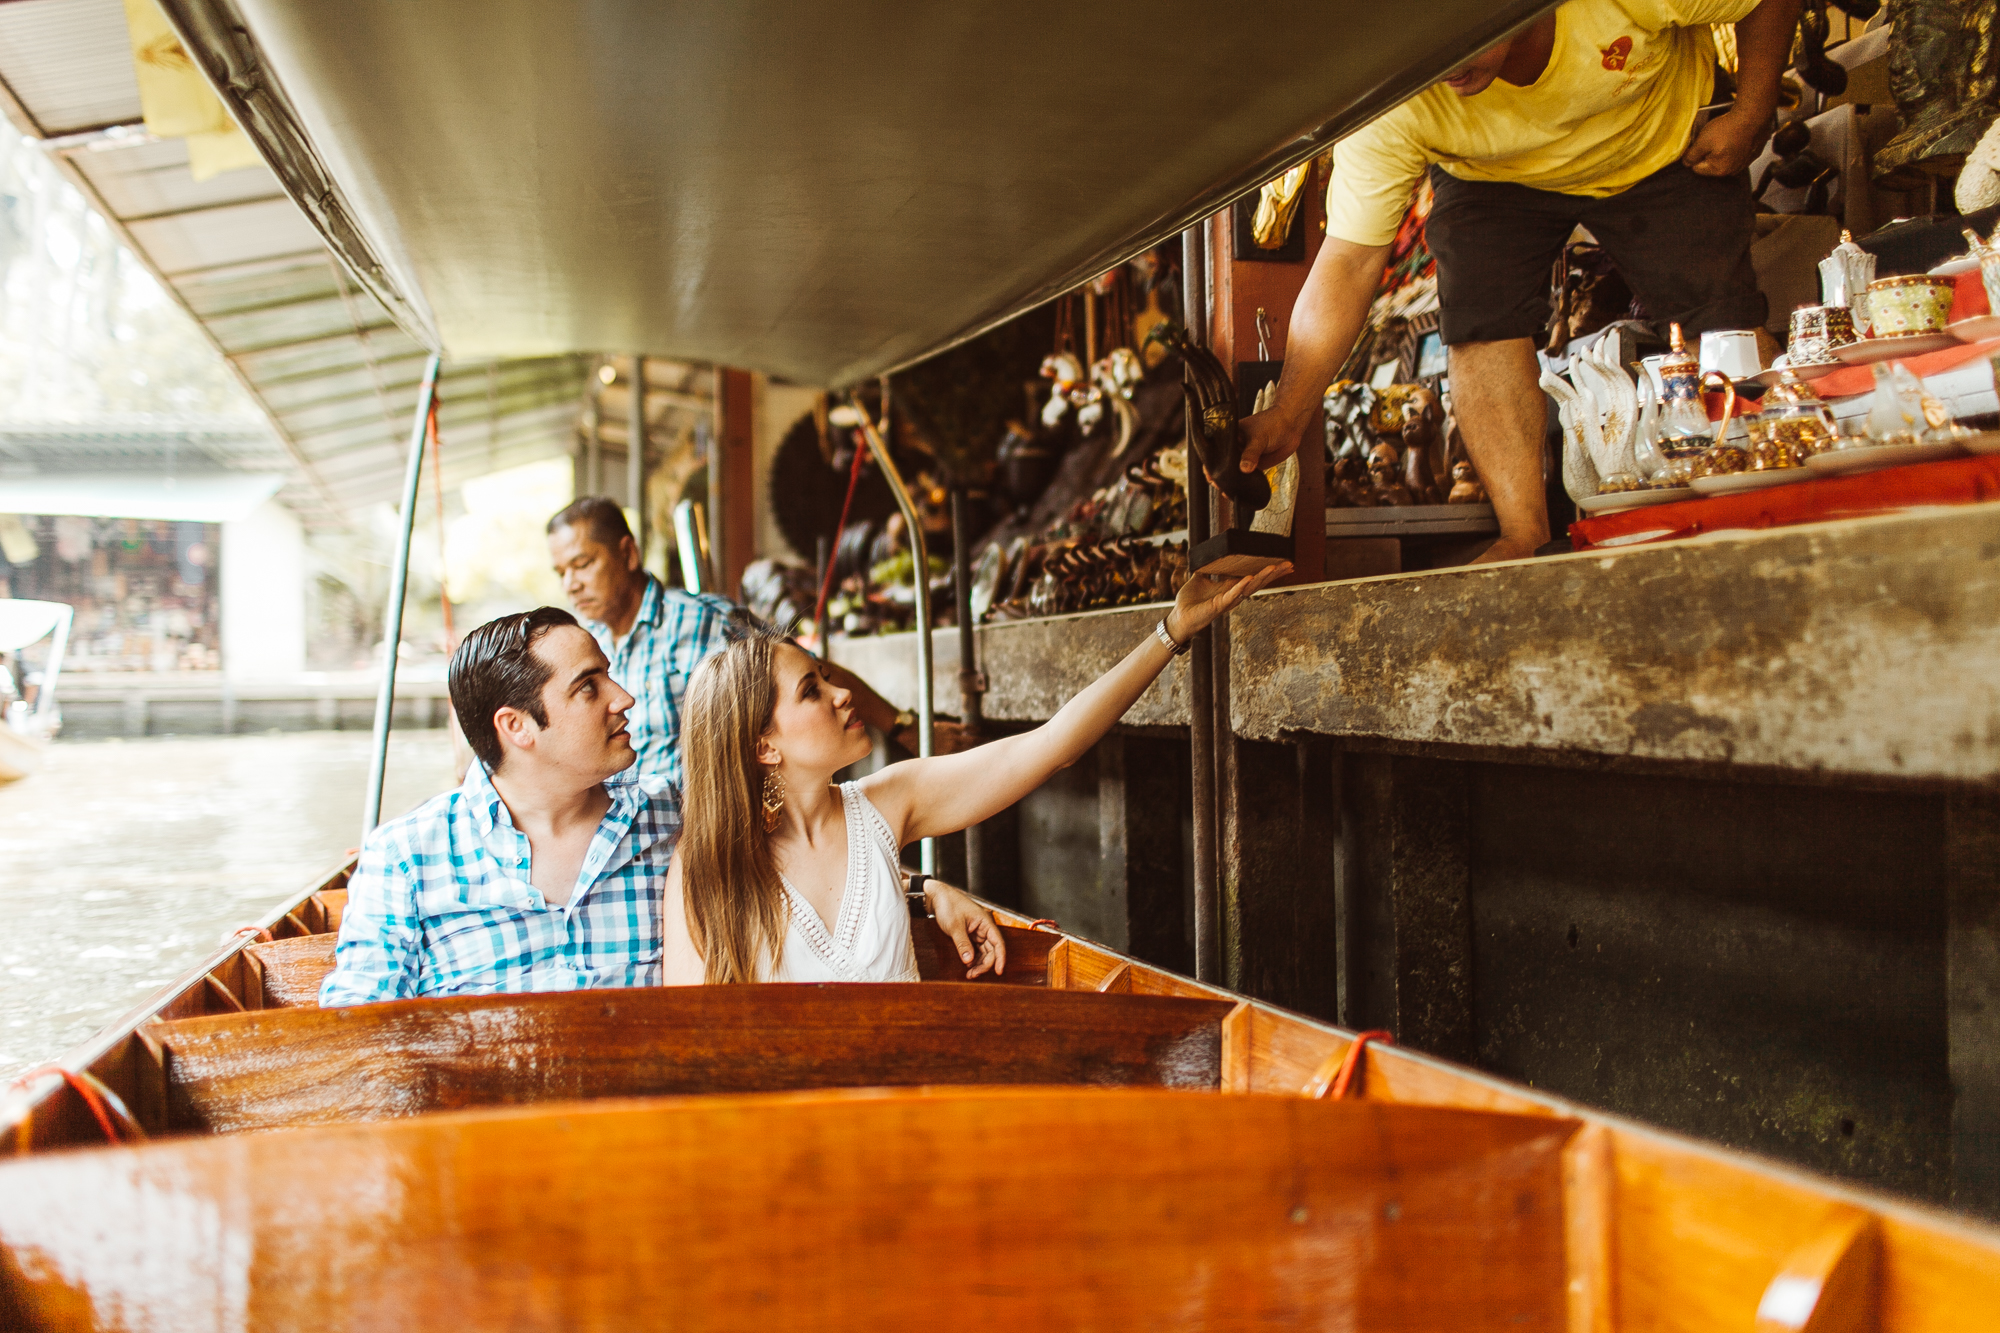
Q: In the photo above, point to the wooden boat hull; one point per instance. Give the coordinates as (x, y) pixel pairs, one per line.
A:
(1003, 1209)
(20, 756)
(1659, 1231)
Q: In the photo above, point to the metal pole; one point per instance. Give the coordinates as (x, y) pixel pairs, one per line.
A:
(635, 455)
(399, 582)
(971, 684)
(1201, 663)
(593, 457)
(921, 557)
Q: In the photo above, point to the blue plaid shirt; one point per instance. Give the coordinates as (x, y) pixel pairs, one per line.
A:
(674, 633)
(440, 903)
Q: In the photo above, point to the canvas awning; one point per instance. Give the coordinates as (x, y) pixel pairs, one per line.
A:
(821, 191)
(334, 374)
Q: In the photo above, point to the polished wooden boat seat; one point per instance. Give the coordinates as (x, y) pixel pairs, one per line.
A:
(289, 971)
(977, 1208)
(258, 1070)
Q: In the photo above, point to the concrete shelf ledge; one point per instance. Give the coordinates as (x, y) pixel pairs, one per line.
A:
(1864, 648)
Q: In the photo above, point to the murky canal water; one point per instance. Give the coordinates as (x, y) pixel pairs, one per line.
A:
(121, 863)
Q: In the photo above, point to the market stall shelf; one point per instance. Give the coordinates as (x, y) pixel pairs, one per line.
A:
(1952, 481)
(1467, 520)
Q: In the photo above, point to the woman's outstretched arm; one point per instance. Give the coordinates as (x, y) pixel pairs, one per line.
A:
(928, 798)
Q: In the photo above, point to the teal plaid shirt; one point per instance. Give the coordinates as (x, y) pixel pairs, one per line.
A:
(440, 902)
(675, 632)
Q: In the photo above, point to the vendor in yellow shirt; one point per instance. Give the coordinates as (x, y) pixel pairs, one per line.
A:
(1585, 117)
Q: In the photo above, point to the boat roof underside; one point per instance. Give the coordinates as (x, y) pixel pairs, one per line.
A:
(823, 192)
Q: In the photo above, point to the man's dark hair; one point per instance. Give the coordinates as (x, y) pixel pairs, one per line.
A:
(496, 667)
(596, 514)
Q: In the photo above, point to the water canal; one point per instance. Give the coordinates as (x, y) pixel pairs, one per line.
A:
(123, 862)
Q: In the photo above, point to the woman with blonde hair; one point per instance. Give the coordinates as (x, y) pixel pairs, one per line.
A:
(782, 876)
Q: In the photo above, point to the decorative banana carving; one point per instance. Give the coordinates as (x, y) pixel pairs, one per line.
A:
(1212, 425)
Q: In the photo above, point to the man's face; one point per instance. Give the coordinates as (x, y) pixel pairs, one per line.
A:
(1477, 73)
(596, 578)
(585, 738)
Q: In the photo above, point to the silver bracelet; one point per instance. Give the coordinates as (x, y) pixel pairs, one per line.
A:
(1173, 649)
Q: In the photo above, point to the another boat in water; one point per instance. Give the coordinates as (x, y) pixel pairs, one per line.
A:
(1088, 1142)
(26, 726)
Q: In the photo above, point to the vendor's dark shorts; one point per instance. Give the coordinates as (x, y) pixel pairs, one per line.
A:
(1681, 242)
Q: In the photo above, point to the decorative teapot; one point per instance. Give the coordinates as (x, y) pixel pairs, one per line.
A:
(1844, 276)
(1795, 424)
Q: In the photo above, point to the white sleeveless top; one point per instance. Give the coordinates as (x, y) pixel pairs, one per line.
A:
(870, 940)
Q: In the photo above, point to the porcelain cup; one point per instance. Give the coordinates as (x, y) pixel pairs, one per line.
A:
(1733, 352)
(1816, 331)
(1909, 307)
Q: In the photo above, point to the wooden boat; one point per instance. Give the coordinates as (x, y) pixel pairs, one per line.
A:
(25, 732)
(1090, 1142)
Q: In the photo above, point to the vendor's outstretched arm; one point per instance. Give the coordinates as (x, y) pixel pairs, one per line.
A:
(926, 798)
(1327, 319)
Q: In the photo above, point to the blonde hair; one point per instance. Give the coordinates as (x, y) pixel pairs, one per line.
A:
(729, 880)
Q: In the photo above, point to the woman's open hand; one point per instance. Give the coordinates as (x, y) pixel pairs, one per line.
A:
(973, 931)
(1206, 598)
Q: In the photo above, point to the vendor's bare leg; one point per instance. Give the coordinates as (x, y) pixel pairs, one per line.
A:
(1497, 398)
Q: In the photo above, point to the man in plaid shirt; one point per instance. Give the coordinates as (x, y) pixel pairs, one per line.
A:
(543, 870)
(655, 636)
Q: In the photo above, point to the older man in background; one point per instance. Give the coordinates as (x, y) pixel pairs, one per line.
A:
(655, 636)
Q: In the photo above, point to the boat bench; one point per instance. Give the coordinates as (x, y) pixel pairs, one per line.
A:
(299, 1066)
(292, 969)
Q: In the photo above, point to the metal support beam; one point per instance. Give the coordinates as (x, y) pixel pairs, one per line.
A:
(921, 559)
(635, 455)
(971, 683)
(392, 619)
(1201, 683)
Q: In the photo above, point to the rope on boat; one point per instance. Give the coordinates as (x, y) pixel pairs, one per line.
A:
(101, 1100)
(1334, 1083)
(826, 577)
(1045, 923)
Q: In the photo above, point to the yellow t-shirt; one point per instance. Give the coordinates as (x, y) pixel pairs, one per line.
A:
(1615, 104)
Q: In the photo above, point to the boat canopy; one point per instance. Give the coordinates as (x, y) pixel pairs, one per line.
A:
(23, 622)
(820, 191)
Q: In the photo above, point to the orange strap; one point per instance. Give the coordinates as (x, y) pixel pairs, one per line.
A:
(1045, 923)
(1350, 1067)
(102, 1101)
(263, 933)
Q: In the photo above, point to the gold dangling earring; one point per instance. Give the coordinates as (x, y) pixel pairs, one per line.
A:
(774, 800)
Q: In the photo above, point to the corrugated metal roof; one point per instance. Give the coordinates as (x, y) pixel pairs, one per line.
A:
(334, 374)
(70, 62)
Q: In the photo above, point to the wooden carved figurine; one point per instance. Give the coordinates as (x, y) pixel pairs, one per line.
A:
(1383, 466)
(1465, 486)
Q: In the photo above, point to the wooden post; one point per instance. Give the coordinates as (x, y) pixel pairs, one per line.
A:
(1972, 998)
(1404, 901)
(732, 472)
